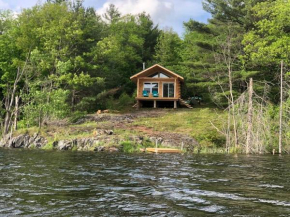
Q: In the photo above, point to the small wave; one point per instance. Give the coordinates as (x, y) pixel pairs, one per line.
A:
(271, 186)
(274, 202)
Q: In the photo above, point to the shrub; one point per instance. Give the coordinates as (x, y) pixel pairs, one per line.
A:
(48, 146)
(76, 116)
(121, 103)
(129, 147)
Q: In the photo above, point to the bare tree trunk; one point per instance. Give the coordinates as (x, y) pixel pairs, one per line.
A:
(228, 137)
(233, 106)
(73, 101)
(9, 98)
(281, 109)
(250, 117)
(6, 122)
(16, 112)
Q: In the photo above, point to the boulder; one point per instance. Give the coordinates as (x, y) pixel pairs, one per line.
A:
(20, 141)
(24, 141)
(109, 132)
(99, 149)
(64, 145)
(113, 149)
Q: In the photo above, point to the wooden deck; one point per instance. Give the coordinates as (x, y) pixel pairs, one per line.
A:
(151, 98)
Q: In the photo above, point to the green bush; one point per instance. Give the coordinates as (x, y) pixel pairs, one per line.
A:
(121, 103)
(76, 116)
(48, 146)
(129, 147)
(44, 104)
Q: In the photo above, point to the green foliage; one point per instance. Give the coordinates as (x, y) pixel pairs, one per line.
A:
(74, 148)
(268, 42)
(121, 103)
(196, 123)
(75, 116)
(129, 147)
(168, 49)
(64, 60)
(48, 146)
(44, 105)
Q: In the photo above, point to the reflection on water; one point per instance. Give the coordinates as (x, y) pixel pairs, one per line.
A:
(37, 183)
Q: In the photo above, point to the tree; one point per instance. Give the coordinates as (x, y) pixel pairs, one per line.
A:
(13, 66)
(112, 14)
(268, 43)
(168, 49)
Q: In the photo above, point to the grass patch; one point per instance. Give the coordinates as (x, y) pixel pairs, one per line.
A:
(195, 122)
(48, 146)
(130, 147)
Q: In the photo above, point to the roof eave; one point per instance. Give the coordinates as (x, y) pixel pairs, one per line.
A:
(169, 71)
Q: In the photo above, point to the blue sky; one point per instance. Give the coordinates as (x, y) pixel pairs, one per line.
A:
(167, 13)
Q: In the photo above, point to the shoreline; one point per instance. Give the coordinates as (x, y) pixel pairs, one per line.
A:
(186, 130)
(102, 132)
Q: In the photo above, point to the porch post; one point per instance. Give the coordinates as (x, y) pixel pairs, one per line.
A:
(154, 103)
(175, 104)
(138, 87)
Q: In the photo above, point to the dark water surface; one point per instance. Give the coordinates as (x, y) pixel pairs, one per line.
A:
(36, 183)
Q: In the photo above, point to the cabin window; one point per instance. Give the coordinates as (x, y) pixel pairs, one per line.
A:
(155, 75)
(150, 87)
(168, 89)
(159, 75)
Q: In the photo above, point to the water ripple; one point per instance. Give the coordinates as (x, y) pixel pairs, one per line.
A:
(35, 183)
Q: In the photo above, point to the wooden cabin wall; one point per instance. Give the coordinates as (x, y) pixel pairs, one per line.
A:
(160, 89)
(178, 89)
(140, 89)
(141, 81)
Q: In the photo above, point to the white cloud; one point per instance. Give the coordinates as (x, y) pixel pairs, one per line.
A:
(159, 10)
(167, 13)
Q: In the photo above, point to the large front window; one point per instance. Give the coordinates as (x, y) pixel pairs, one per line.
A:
(168, 89)
(150, 87)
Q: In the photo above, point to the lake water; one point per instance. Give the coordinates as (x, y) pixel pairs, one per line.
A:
(35, 183)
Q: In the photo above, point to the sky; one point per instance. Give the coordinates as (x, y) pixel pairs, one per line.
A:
(165, 13)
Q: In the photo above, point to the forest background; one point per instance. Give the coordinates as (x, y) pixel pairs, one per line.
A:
(62, 60)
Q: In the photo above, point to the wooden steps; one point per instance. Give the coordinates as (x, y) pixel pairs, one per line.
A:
(182, 102)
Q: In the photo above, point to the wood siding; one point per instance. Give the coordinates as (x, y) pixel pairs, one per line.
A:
(160, 81)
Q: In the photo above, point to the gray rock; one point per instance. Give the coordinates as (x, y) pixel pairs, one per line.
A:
(152, 139)
(99, 148)
(19, 141)
(65, 145)
(109, 132)
(159, 140)
(23, 141)
(113, 149)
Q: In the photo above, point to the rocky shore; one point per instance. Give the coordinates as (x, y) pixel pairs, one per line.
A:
(105, 138)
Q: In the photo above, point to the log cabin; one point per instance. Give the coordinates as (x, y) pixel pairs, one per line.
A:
(158, 84)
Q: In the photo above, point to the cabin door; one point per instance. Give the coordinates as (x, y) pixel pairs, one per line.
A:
(168, 89)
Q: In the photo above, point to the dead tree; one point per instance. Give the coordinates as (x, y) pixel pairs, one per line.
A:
(250, 117)
(9, 99)
(281, 109)
(16, 112)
